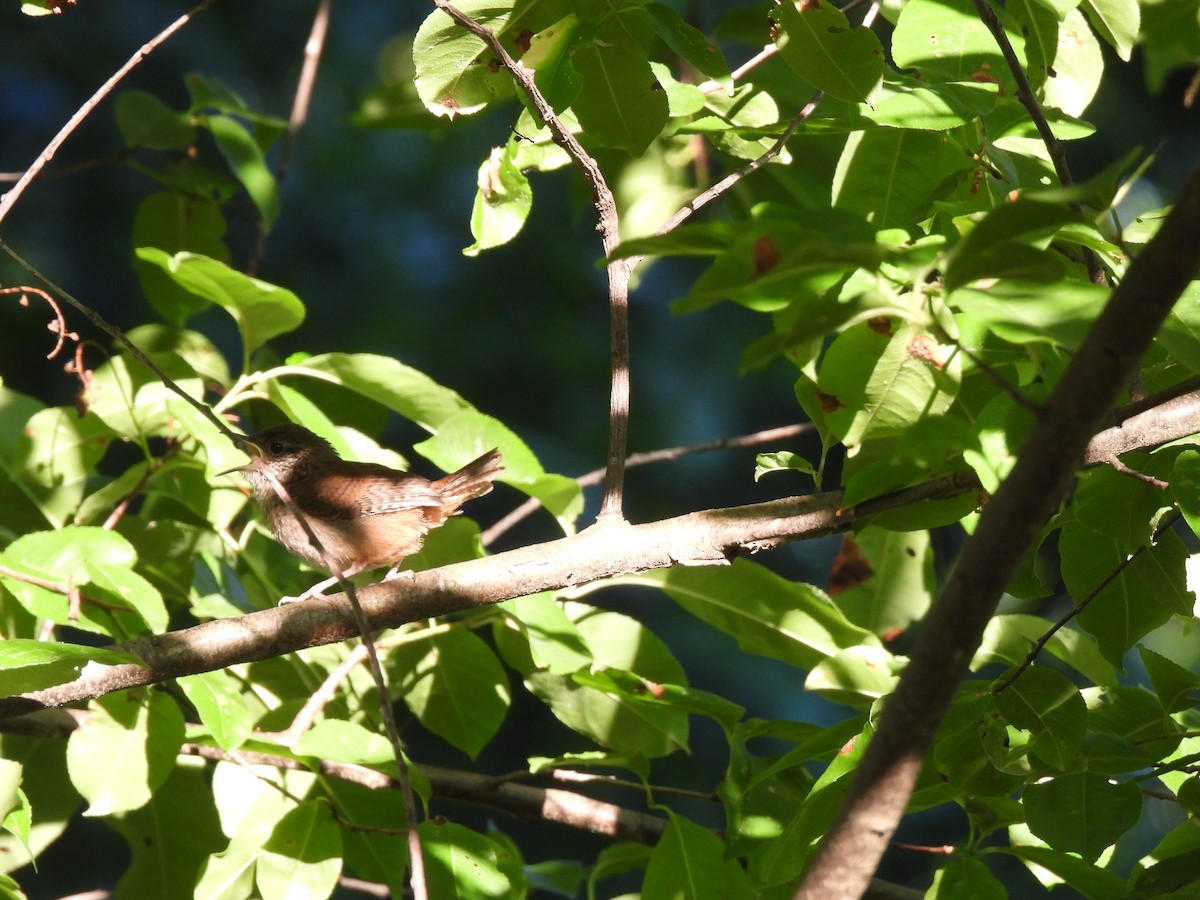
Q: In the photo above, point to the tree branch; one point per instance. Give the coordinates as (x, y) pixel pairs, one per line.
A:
(8, 200)
(1011, 520)
(618, 270)
(710, 537)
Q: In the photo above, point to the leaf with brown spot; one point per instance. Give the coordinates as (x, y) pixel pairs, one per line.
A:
(850, 568)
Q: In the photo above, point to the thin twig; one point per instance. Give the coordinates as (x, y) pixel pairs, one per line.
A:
(59, 326)
(303, 720)
(634, 460)
(8, 200)
(1058, 156)
(313, 49)
(723, 186)
(119, 336)
(1167, 522)
(417, 880)
(618, 270)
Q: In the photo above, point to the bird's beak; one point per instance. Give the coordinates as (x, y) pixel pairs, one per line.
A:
(252, 450)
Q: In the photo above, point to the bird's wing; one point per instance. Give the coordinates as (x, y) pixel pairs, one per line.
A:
(373, 491)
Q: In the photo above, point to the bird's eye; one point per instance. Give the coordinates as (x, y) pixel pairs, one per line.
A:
(277, 448)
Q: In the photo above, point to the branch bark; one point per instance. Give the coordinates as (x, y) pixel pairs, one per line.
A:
(605, 550)
(711, 537)
(1011, 520)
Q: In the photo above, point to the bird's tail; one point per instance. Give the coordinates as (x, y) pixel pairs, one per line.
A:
(471, 481)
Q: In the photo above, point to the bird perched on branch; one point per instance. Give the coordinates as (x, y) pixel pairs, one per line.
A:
(365, 515)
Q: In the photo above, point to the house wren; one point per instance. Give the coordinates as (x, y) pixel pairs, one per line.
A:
(365, 515)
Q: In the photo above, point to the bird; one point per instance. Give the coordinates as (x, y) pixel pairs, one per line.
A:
(365, 515)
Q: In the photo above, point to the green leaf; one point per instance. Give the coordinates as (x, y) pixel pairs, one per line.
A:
(1170, 38)
(1176, 686)
(1091, 881)
(893, 176)
(884, 384)
(945, 41)
(145, 734)
(145, 121)
(1116, 21)
(132, 401)
(114, 599)
(210, 95)
(1180, 333)
(222, 705)
(934, 107)
(1143, 596)
(992, 248)
(816, 40)
(346, 742)
(55, 454)
(1130, 729)
(549, 55)
(893, 579)
(786, 259)
(616, 720)
(303, 856)
(1009, 638)
(966, 878)
(10, 788)
(856, 676)
(462, 863)
(502, 202)
(973, 752)
(192, 347)
(389, 382)
(619, 103)
(764, 613)
(169, 838)
(454, 685)
(1077, 67)
(245, 156)
(1049, 706)
(33, 665)
(553, 642)
(1100, 812)
(1022, 312)
(375, 846)
(174, 222)
(641, 691)
(262, 311)
(686, 41)
(455, 72)
(689, 863)
(782, 461)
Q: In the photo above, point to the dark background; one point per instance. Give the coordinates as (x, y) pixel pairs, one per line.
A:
(370, 237)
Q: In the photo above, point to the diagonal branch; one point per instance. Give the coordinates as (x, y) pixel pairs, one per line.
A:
(8, 200)
(1011, 520)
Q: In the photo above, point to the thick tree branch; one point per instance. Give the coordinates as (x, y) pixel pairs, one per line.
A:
(703, 537)
(1010, 522)
(700, 538)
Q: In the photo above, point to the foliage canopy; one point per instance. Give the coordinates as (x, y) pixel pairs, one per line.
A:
(896, 213)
